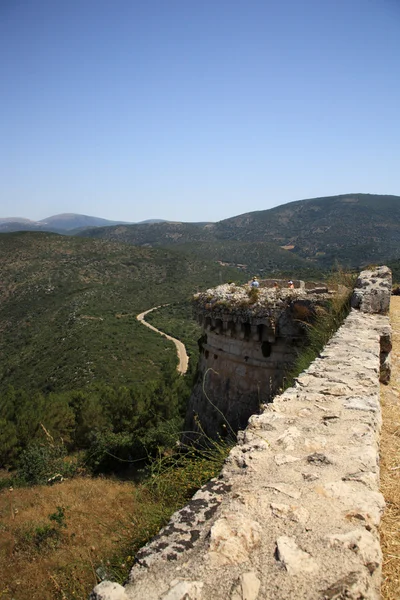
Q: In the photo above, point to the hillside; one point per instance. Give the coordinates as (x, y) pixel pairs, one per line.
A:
(68, 307)
(352, 229)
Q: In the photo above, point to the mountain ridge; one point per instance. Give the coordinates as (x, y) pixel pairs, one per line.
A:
(60, 223)
(354, 229)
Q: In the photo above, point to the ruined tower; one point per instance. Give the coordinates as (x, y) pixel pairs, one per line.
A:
(250, 339)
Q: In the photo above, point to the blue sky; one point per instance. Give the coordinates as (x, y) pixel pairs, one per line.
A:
(195, 110)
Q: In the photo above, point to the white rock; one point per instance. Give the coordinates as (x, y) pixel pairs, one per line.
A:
(298, 514)
(283, 459)
(352, 497)
(185, 590)
(296, 561)
(314, 444)
(286, 489)
(367, 403)
(108, 590)
(233, 537)
(363, 543)
(250, 585)
(290, 438)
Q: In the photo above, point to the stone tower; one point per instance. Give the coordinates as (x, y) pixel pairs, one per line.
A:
(251, 338)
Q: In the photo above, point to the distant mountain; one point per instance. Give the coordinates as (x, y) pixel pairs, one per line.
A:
(352, 229)
(62, 223)
(153, 221)
(66, 222)
(69, 221)
(15, 220)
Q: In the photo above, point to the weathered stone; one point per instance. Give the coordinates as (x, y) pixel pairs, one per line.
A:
(185, 590)
(318, 459)
(315, 444)
(385, 368)
(296, 561)
(250, 585)
(368, 404)
(247, 587)
(286, 489)
(363, 543)
(353, 586)
(233, 537)
(372, 291)
(298, 514)
(108, 590)
(352, 497)
(290, 438)
(368, 479)
(283, 459)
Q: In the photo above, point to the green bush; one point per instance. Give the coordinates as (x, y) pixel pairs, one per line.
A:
(38, 464)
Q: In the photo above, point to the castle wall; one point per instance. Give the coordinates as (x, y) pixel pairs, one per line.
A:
(245, 353)
(296, 510)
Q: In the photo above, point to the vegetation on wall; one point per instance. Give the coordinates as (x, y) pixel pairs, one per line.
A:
(323, 326)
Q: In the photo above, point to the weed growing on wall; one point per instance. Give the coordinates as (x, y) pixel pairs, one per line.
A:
(253, 295)
(325, 324)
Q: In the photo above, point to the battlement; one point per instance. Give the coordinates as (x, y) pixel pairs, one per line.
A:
(251, 339)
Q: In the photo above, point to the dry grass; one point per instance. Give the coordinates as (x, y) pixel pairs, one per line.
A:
(105, 523)
(100, 521)
(390, 466)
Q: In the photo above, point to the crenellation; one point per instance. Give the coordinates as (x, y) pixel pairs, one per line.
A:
(260, 332)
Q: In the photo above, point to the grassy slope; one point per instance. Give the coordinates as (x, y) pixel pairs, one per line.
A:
(68, 307)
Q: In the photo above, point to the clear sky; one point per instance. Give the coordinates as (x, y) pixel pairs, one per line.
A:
(195, 110)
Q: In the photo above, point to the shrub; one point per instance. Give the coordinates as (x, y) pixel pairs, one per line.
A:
(326, 322)
(253, 294)
(46, 535)
(39, 464)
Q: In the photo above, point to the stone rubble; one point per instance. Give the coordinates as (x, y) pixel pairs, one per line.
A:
(296, 509)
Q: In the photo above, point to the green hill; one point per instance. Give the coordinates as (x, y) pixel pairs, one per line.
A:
(68, 308)
(352, 229)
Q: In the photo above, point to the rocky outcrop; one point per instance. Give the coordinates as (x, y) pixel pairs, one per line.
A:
(296, 509)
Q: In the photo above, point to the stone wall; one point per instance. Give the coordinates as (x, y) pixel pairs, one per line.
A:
(248, 346)
(296, 509)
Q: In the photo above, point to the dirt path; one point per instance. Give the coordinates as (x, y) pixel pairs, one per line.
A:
(390, 466)
(180, 348)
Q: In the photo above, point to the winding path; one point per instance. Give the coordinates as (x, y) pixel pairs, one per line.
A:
(180, 348)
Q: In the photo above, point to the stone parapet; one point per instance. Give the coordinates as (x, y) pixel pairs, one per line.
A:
(372, 291)
(296, 509)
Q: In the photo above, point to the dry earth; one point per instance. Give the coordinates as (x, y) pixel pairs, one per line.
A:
(390, 466)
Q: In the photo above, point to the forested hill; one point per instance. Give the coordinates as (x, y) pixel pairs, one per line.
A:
(68, 308)
(352, 229)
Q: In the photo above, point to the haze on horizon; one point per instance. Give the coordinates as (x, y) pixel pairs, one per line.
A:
(193, 111)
